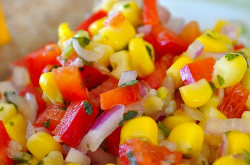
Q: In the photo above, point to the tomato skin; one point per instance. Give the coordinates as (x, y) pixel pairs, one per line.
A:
(75, 123)
(113, 141)
(233, 104)
(145, 153)
(190, 32)
(5, 140)
(149, 12)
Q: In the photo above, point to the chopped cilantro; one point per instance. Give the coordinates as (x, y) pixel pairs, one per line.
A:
(144, 114)
(227, 132)
(46, 124)
(246, 156)
(130, 83)
(66, 51)
(81, 69)
(127, 116)
(149, 51)
(126, 5)
(2, 108)
(7, 95)
(231, 56)
(83, 41)
(212, 86)
(221, 80)
(63, 108)
(24, 159)
(11, 123)
(131, 158)
(40, 162)
(88, 108)
(164, 129)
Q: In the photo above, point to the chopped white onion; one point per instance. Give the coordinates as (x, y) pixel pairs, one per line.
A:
(230, 30)
(75, 156)
(176, 24)
(169, 107)
(221, 94)
(216, 56)
(30, 130)
(20, 77)
(168, 82)
(195, 49)
(32, 105)
(6, 86)
(223, 149)
(127, 76)
(193, 113)
(170, 145)
(14, 150)
(143, 88)
(164, 14)
(145, 29)
(77, 62)
(136, 106)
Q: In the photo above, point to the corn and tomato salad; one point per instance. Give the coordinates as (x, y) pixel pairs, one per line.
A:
(130, 87)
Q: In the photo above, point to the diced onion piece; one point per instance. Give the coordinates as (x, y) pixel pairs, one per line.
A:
(176, 24)
(193, 113)
(221, 94)
(168, 82)
(103, 126)
(77, 62)
(143, 88)
(223, 149)
(75, 156)
(230, 30)
(136, 106)
(168, 144)
(216, 56)
(33, 107)
(164, 14)
(30, 130)
(43, 129)
(127, 76)
(145, 29)
(20, 77)
(195, 49)
(6, 86)
(14, 150)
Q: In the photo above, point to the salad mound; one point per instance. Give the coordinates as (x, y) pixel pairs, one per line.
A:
(131, 85)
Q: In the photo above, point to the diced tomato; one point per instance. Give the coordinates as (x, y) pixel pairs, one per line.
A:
(20, 62)
(113, 141)
(154, 79)
(94, 17)
(141, 152)
(149, 12)
(233, 104)
(114, 19)
(4, 142)
(94, 94)
(52, 114)
(195, 71)
(166, 41)
(239, 46)
(70, 83)
(37, 92)
(75, 123)
(190, 32)
(119, 95)
(37, 60)
(72, 56)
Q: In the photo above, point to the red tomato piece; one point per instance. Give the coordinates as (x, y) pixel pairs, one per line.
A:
(166, 41)
(190, 32)
(37, 60)
(70, 83)
(141, 152)
(94, 17)
(4, 142)
(195, 71)
(149, 12)
(233, 104)
(75, 123)
(119, 95)
(53, 114)
(239, 46)
(114, 19)
(94, 94)
(113, 141)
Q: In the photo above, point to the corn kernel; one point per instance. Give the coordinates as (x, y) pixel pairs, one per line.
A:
(152, 104)
(229, 160)
(214, 102)
(64, 33)
(172, 121)
(141, 57)
(141, 127)
(246, 115)
(53, 158)
(162, 93)
(196, 94)
(16, 128)
(174, 70)
(7, 111)
(40, 144)
(4, 33)
(96, 26)
(48, 84)
(179, 112)
(245, 82)
(188, 137)
(237, 142)
(214, 112)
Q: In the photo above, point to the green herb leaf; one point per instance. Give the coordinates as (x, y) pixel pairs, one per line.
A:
(144, 114)
(88, 108)
(231, 56)
(46, 124)
(127, 116)
(212, 86)
(40, 162)
(11, 123)
(130, 83)
(246, 156)
(24, 159)
(131, 158)
(126, 5)
(83, 41)
(221, 80)
(6, 95)
(149, 51)
(63, 108)
(164, 129)
(66, 51)
(2, 108)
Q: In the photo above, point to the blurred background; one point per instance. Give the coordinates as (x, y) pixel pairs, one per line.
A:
(31, 23)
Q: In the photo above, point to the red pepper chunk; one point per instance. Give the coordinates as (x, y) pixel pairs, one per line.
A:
(233, 105)
(119, 95)
(75, 123)
(149, 12)
(113, 141)
(195, 71)
(114, 19)
(70, 83)
(4, 142)
(141, 152)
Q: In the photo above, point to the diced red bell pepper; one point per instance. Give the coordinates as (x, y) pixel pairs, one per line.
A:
(233, 104)
(114, 19)
(113, 141)
(195, 71)
(37, 60)
(75, 123)
(141, 152)
(94, 17)
(190, 32)
(239, 46)
(94, 94)
(52, 114)
(149, 12)
(119, 95)
(37, 92)
(70, 83)
(4, 142)
(166, 41)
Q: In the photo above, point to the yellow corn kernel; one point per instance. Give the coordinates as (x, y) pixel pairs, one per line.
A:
(196, 94)
(214, 112)
(141, 127)
(40, 144)
(214, 102)
(120, 62)
(16, 128)
(188, 137)
(130, 10)
(152, 104)
(246, 115)
(48, 84)
(172, 121)
(174, 69)
(4, 33)
(7, 111)
(96, 26)
(64, 33)
(237, 142)
(53, 158)
(215, 42)
(162, 93)
(101, 48)
(229, 160)
(117, 37)
(245, 82)
(141, 59)
(228, 72)
(32, 161)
